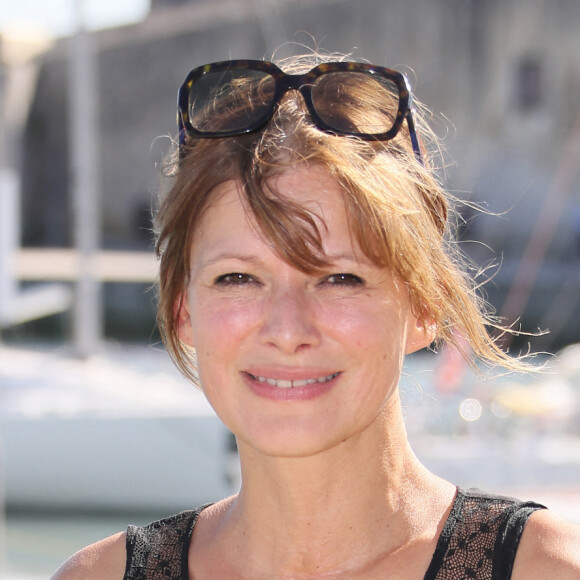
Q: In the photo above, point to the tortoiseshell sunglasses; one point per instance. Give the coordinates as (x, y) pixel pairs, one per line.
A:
(234, 97)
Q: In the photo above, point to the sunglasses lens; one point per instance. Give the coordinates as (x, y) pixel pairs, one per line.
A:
(232, 101)
(353, 102)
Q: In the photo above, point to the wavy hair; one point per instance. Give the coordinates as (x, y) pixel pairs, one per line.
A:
(398, 212)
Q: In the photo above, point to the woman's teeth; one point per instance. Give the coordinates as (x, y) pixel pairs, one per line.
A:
(282, 384)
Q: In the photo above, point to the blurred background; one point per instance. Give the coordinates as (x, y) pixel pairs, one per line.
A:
(97, 430)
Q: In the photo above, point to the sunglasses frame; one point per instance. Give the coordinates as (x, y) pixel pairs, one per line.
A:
(303, 84)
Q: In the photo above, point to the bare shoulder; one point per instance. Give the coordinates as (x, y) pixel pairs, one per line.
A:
(549, 548)
(105, 559)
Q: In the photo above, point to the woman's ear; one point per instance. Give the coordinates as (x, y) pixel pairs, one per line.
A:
(421, 332)
(183, 320)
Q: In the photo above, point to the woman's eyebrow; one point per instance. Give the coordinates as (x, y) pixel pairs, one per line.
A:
(256, 261)
(222, 256)
(348, 257)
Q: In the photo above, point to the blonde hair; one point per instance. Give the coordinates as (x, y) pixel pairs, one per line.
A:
(397, 208)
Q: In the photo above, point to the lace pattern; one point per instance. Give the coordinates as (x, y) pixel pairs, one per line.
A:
(479, 541)
(159, 550)
(480, 538)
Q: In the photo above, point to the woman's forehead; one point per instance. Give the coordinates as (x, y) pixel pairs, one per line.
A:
(310, 187)
(229, 216)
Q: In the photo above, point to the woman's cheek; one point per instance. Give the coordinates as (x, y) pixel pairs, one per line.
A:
(354, 319)
(224, 321)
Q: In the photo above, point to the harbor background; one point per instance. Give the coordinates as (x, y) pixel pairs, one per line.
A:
(97, 429)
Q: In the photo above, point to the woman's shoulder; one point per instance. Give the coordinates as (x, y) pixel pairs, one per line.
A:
(167, 538)
(104, 559)
(549, 548)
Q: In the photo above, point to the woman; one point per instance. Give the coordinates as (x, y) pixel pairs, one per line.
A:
(304, 252)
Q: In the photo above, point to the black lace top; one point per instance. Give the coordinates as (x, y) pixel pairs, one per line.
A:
(479, 540)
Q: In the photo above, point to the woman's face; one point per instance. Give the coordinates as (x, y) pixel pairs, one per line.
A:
(294, 363)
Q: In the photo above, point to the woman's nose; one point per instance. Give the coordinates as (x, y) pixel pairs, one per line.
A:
(289, 321)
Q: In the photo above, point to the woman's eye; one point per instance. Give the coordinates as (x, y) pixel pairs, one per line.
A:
(235, 279)
(344, 280)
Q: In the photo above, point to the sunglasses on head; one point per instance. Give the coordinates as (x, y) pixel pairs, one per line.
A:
(234, 97)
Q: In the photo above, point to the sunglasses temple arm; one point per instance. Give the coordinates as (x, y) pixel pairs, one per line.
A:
(181, 136)
(413, 135)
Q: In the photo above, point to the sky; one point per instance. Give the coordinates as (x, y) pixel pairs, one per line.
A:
(57, 17)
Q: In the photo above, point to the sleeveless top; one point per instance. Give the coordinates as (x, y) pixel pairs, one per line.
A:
(479, 540)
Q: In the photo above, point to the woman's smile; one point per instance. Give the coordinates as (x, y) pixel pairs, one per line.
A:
(292, 384)
(290, 389)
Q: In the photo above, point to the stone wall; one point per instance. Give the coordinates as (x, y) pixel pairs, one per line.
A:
(502, 78)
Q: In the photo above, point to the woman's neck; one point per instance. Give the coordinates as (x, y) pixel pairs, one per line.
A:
(366, 498)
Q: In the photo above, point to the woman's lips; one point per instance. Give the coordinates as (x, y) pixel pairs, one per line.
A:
(288, 387)
(292, 384)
